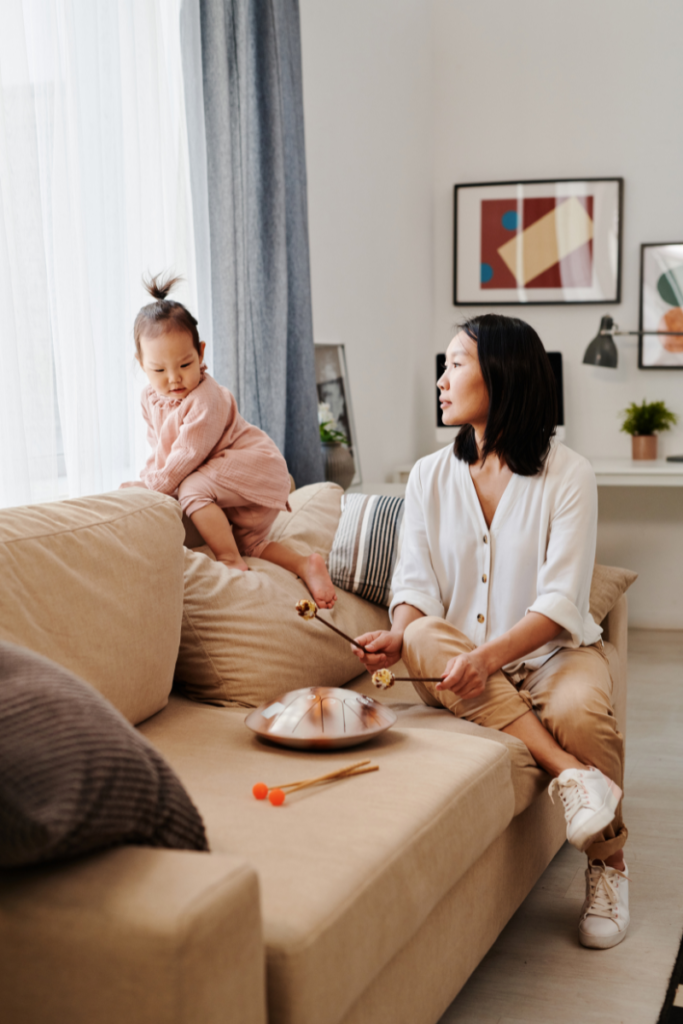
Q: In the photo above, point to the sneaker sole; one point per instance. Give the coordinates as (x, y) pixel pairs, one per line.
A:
(601, 819)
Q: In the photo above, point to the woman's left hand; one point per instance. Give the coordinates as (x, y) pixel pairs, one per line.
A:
(465, 675)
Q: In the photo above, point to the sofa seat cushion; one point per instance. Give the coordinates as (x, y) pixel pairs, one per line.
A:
(96, 584)
(528, 780)
(348, 871)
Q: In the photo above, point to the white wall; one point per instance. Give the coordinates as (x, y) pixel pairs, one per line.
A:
(405, 98)
(538, 89)
(367, 98)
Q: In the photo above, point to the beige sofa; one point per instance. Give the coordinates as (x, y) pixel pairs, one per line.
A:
(367, 902)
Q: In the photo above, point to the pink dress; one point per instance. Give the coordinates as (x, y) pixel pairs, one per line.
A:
(205, 452)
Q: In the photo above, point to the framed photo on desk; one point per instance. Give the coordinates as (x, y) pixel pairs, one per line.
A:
(332, 381)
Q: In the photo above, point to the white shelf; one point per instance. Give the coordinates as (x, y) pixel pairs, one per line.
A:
(638, 473)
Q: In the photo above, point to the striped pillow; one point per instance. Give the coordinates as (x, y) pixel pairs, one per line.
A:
(366, 545)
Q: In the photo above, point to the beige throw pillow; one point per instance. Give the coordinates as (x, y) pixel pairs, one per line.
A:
(243, 643)
(607, 586)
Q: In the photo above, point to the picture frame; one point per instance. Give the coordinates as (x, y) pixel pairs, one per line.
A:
(332, 382)
(661, 305)
(538, 243)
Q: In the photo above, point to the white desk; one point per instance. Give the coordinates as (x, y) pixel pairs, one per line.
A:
(638, 473)
(608, 472)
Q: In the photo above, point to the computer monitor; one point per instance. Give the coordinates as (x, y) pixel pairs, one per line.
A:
(445, 433)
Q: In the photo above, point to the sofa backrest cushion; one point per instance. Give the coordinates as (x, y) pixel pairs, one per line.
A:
(75, 776)
(96, 584)
(607, 586)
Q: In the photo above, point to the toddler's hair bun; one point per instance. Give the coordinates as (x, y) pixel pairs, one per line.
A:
(158, 287)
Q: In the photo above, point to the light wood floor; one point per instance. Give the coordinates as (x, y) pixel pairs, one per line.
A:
(536, 973)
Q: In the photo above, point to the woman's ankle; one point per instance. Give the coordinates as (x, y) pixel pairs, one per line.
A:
(615, 861)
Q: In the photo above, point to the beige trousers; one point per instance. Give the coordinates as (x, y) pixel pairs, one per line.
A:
(571, 694)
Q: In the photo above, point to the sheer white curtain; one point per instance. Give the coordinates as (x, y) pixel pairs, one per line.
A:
(94, 191)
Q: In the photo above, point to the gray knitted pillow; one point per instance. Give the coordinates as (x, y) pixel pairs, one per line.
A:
(74, 775)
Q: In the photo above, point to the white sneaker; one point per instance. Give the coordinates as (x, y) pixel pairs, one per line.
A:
(604, 916)
(590, 802)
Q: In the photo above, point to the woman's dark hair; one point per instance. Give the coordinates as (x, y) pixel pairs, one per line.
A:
(155, 318)
(522, 394)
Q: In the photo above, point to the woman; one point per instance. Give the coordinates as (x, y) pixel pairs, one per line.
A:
(492, 587)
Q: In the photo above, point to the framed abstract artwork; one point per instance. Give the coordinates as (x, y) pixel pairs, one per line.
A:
(661, 305)
(538, 242)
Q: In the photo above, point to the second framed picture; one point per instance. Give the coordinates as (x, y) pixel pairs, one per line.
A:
(661, 305)
(538, 242)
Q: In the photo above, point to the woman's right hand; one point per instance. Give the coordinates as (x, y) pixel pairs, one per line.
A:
(383, 646)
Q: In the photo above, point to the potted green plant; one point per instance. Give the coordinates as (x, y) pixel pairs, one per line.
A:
(339, 465)
(643, 422)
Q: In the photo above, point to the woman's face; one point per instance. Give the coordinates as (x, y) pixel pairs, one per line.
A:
(463, 398)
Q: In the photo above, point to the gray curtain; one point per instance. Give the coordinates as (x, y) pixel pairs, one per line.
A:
(260, 273)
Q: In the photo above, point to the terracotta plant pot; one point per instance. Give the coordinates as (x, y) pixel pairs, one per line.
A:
(644, 446)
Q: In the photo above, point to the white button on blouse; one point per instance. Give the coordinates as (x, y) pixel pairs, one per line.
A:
(537, 555)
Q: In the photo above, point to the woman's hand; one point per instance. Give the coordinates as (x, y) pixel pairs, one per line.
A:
(465, 675)
(133, 483)
(383, 646)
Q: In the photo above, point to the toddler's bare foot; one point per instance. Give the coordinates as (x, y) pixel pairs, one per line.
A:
(234, 562)
(317, 579)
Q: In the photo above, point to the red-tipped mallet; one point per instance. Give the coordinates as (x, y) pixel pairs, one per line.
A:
(277, 794)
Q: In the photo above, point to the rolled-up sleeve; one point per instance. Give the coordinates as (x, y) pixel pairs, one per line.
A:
(414, 581)
(565, 572)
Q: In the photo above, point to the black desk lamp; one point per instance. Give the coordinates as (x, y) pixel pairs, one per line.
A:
(603, 352)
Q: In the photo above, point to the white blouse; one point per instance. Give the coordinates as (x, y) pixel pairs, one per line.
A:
(537, 556)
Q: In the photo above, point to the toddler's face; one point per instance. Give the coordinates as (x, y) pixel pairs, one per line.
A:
(171, 362)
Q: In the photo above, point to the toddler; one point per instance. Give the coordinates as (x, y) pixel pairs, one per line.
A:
(228, 475)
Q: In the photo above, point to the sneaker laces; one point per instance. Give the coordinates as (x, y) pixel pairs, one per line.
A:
(603, 892)
(573, 795)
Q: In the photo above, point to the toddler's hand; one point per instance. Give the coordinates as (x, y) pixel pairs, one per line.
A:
(384, 649)
(133, 483)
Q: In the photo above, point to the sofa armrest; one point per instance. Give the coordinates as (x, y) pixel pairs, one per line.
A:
(615, 632)
(133, 936)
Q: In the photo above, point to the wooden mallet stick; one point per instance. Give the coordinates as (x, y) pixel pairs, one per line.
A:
(335, 778)
(321, 778)
(308, 609)
(418, 679)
